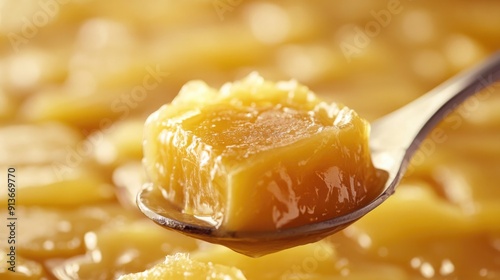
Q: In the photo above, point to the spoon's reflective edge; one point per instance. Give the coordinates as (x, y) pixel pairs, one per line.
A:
(166, 214)
(435, 106)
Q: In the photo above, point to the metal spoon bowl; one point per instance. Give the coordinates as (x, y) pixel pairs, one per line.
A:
(393, 141)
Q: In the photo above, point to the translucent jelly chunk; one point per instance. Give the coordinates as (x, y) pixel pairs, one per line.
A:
(259, 155)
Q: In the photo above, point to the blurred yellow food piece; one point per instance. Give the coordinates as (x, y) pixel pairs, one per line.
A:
(59, 232)
(20, 268)
(309, 260)
(122, 248)
(51, 161)
(180, 266)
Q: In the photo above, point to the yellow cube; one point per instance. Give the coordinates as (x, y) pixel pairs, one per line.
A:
(259, 155)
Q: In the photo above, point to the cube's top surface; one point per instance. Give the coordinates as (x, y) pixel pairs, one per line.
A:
(251, 116)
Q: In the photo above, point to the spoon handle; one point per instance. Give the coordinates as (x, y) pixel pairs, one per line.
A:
(406, 128)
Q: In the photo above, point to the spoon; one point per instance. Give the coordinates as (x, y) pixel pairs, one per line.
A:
(393, 141)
